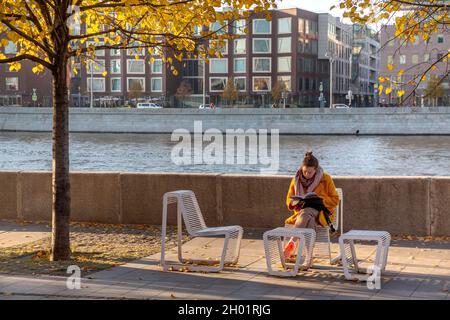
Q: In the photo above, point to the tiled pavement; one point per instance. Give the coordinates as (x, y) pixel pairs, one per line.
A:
(415, 270)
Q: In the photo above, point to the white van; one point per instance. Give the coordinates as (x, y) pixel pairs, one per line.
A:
(148, 105)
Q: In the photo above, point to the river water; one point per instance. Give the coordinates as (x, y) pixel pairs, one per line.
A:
(338, 155)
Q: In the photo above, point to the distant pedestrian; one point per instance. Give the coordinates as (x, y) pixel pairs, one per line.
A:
(212, 106)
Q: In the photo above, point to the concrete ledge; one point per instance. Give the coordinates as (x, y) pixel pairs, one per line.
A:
(401, 205)
(8, 195)
(367, 121)
(142, 195)
(96, 197)
(440, 206)
(257, 201)
(395, 204)
(35, 201)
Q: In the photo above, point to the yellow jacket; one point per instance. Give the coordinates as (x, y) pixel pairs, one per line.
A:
(326, 190)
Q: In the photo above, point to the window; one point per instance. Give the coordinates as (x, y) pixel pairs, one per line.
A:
(192, 68)
(156, 84)
(135, 84)
(285, 25)
(239, 46)
(219, 28)
(217, 84)
(114, 52)
(135, 51)
(157, 66)
(284, 45)
(219, 47)
(98, 85)
(426, 57)
(98, 53)
(136, 66)
(218, 65)
(239, 83)
(284, 64)
(440, 39)
(116, 84)
(262, 64)
(239, 26)
(415, 58)
(402, 59)
(390, 59)
(240, 65)
(10, 48)
(262, 26)
(261, 84)
(115, 66)
(262, 45)
(198, 30)
(301, 25)
(12, 83)
(286, 80)
(98, 66)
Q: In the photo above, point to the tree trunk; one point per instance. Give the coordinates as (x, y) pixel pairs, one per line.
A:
(60, 167)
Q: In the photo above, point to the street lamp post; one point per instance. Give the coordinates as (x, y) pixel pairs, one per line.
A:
(92, 83)
(204, 82)
(331, 59)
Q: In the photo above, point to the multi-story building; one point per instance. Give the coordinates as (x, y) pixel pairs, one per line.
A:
(413, 59)
(365, 65)
(335, 47)
(293, 49)
(282, 50)
(17, 87)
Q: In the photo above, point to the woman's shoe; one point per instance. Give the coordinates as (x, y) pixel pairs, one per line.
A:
(289, 249)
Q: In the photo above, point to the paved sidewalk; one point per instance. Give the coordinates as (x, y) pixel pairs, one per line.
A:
(416, 270)
(13, 234)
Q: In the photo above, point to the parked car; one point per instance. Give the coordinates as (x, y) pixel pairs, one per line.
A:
(340, 106)
(148, 105)
(204, 106)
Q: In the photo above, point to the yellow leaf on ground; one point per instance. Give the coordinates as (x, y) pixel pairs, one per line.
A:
(390, 66)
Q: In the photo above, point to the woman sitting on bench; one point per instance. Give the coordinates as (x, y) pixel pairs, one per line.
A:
(310, 178)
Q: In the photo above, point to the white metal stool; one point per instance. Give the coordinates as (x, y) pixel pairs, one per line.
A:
(274, 251)
(348, 252)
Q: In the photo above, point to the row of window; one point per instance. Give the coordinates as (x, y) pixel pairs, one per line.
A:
(262, 26)
(218, 84)
(260, 45)
(260, 64)
(402, 59)
(439, 39)
(136, 66)
(133, 84)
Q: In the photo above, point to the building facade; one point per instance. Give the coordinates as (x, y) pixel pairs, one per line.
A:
(293, 51)
(17, 87)
(413, 59)
(365, 65)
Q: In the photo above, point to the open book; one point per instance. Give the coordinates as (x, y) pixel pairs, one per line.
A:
(309, 195)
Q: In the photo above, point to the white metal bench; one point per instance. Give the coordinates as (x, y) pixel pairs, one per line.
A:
(274, 250)
(188, 210)
(348, 252)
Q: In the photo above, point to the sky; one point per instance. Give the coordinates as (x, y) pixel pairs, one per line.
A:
(311, 5)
